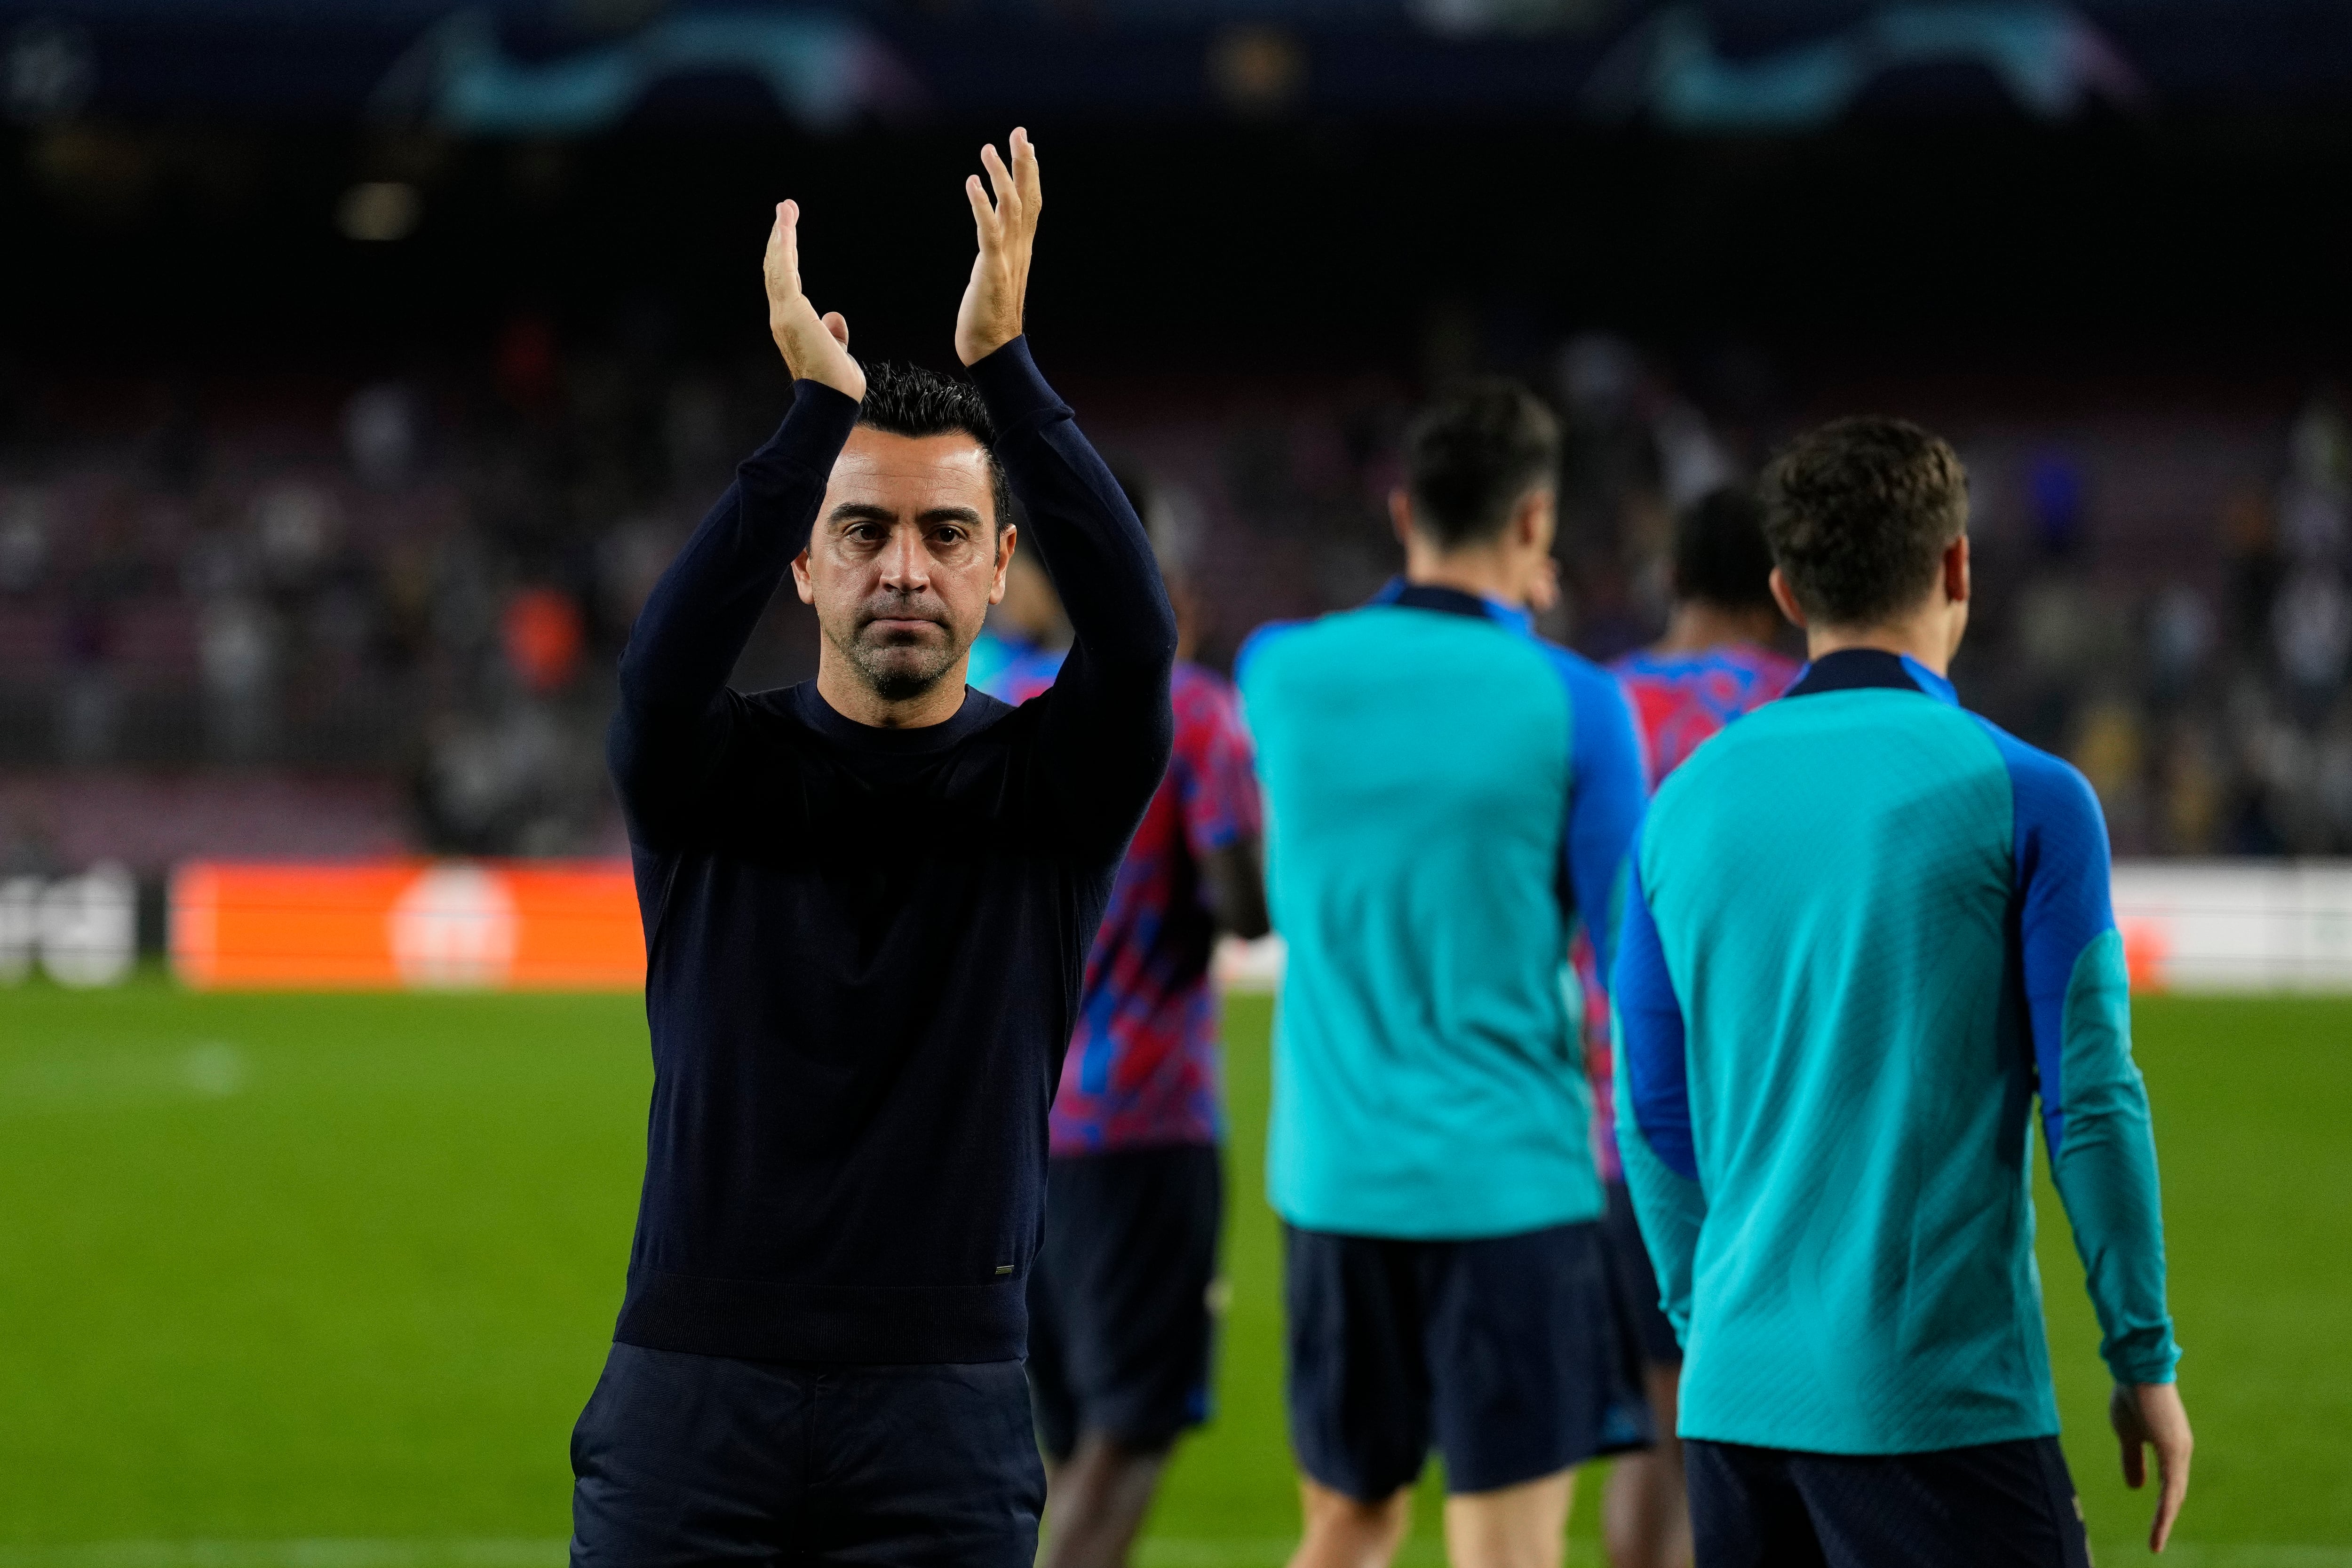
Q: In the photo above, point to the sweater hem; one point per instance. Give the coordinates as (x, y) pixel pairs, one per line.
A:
(758, 1319)
(1861, 1446)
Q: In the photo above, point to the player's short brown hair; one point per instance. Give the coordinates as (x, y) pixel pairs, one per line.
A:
(1471, 456)
(1858, 514)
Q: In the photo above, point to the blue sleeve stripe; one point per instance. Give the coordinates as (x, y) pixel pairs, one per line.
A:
(1608, 787)
(2064, 901)
(1257, 642)
(1650, 1025)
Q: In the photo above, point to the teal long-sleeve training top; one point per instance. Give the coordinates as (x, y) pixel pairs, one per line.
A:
(1867, 928)
(1448, 797)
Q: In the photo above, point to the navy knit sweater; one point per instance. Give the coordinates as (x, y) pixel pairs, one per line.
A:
(865, 945)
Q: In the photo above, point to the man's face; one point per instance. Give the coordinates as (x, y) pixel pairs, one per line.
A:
(905, 558)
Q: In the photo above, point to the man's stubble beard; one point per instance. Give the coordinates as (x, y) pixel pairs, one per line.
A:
(898, 672)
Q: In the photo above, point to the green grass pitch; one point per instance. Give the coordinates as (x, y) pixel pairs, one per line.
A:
(321, 1281)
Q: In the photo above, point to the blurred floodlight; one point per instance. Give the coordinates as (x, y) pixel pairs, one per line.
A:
(379, 211)
(1257, 70)
(47, 71)
(1470, 18)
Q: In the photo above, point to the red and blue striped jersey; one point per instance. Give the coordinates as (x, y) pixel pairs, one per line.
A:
(1142, 1069)
(1678, 701)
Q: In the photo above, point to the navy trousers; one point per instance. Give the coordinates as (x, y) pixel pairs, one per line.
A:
(1996, 1505)
(686, 1460)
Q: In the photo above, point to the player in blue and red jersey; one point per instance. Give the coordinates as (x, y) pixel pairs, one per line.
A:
(1027, 637)
(1120, 1334)
(1714, 663)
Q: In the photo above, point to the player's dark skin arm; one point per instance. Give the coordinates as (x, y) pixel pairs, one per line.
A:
(1099, 1495)
(1234, 877)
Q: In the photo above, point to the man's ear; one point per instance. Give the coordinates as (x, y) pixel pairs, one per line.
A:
(1956, 571)
(1786, 598)
(802, 583)
(1008, 538)
(1536, 521)
(1400, 515)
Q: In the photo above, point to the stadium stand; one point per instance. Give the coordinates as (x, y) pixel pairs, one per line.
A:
(242, 617)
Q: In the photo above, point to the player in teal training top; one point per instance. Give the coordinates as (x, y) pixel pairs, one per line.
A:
(1448, 801)
(1866, 930)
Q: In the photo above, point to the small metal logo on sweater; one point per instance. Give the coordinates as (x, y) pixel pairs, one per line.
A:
(1002, 1269)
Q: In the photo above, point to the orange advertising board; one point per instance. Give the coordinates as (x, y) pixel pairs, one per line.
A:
(408, 926)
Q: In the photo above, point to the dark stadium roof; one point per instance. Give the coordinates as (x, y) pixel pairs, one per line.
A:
(571, 67)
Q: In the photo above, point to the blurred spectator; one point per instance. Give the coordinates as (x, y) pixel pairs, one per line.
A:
(2311, 626)
(427, 578)
(86, 695)
(23, 541)
(380, 435)
(543, 638)
(2055, 486)
(238, 654)
(2179, 640)
(2313, 497)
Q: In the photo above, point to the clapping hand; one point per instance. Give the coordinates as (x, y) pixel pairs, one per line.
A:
(990, 317)
(815, 348)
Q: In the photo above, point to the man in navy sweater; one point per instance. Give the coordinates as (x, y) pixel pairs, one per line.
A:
(867, 903)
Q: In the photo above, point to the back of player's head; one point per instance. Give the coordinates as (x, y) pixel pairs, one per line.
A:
(1171, 541)
(908, 399)
(1720, 556)
(1473, 455)
(1859, 513)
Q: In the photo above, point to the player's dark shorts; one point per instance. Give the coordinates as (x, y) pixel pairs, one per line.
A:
(1996, 1505)
(686, 1460)
(1507, 1354)
(1637, 1282)
(1121, 1331)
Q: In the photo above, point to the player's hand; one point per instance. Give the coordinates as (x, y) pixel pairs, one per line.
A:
(990, 316)
(815, 348)
(2150, 1415)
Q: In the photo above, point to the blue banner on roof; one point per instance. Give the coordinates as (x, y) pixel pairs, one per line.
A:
(573, 67)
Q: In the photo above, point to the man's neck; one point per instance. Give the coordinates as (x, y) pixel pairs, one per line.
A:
(853, 699)
(1929, 642)
(1696, 626)
(1482, 572)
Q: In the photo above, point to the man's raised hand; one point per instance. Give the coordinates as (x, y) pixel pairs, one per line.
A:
(990, 317)
(815, 348)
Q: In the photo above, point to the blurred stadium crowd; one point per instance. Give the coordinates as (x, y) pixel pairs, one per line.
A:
(291, 616)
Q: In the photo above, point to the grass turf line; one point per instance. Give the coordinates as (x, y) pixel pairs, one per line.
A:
(321, 1282)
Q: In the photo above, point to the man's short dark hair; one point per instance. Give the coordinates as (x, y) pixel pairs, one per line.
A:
(1720, 556)
(1473, 455)
(908, 399)
(1858, 514)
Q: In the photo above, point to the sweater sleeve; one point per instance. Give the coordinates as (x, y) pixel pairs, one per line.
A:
(2095, 1112)
(676, 712)
(1107, 727)
(1653, 1111)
